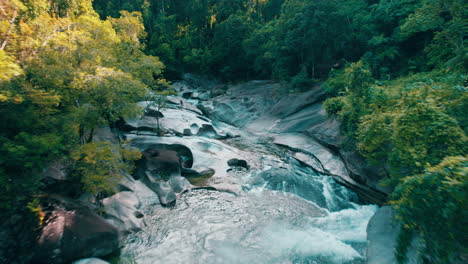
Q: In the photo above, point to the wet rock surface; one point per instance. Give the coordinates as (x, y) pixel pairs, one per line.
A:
(296, 122)
(300, 123)
(228, 169)
(382, 233)
(262, 183)
(122, 210)
(90, 261)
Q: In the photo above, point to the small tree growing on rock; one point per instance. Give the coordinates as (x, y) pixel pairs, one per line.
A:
(157, 100)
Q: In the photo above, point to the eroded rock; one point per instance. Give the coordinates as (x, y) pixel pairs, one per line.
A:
(122, 210)
(160, 164)
(238, 163)
(166, 194)
(90, 261)
(208, 131)
(179, 184)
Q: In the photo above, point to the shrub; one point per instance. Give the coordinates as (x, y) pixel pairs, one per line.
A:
(99, 165)
(334, 105)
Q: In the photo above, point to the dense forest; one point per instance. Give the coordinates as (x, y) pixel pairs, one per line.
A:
(394, 72)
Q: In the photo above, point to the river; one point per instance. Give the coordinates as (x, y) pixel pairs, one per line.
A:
(283, 211)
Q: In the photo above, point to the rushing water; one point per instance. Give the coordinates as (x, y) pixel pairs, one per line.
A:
(287, 213)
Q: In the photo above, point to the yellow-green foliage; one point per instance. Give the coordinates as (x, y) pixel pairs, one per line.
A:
(8, 67)
(355, 84)
(408, 126)
(35, 207)
(101, 165)
(433, 205)
(334, 105)
(406, 123)
(63, 72)
(411, 137)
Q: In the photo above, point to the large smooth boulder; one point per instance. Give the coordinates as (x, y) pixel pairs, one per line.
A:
(207, 154)
(73, 231)
(162, 151)
(159, 164)
(90, 261)
(243, 103)
(381, 236)
(330, 163)
(122, 211)
(178, 116)
(382, 233)
(179, 184)
(166, 194)
(361, 171)
(208, 131)
(144, 194)
(198, 178)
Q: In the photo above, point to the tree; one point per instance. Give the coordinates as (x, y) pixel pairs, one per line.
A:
(100, 165)
(432, 205)
(63, 72)
(447, 19)
(157, 100)
(8, 68)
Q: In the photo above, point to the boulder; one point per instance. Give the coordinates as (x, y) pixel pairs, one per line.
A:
(105, 134)
(314, 154)
(200, 178)
(165, 192)
(144, 193)
(179, 184)
(238, 163)
(122, 211)
(187, 94)
(208, 131)
(361, 171)
(190, 173)
(160, 164)
(382, 233)
(187, 132)
(207, 173)
(57, 171)
(153, 113)
(73, 231)
(208, 153)
(90, 261)
(243, 103)
(183, 152)
(293, 103)
(174, 118)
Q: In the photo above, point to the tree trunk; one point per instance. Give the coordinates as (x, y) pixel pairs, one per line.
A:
(10, 28)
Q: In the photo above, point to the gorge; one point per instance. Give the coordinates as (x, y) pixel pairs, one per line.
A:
(233, 131)
(284, 204)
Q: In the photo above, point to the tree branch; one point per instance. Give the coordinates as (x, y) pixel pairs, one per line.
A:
(10, 28)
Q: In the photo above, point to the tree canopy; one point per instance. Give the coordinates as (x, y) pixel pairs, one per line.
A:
(394, 72)
(64, 72)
